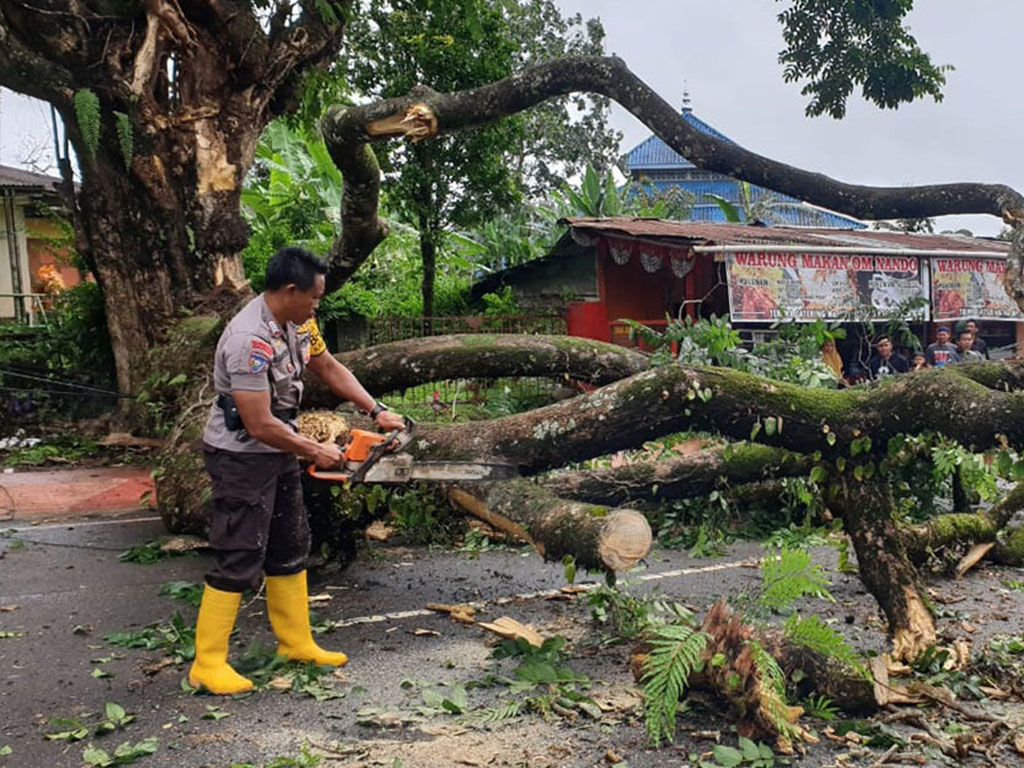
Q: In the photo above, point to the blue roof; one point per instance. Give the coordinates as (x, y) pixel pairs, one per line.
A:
(653, 154)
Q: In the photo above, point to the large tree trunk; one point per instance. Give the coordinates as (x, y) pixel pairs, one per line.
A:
(867, 512)
(163, 103)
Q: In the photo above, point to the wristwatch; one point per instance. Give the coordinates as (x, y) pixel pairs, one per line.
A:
(377, 409)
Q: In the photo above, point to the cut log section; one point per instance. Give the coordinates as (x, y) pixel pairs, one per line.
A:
(596, 537)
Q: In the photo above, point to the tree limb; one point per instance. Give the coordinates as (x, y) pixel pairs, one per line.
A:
(424, 115)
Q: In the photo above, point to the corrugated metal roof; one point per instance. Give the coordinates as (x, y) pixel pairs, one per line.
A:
(700, 233)
(16, 177)
(653, 153)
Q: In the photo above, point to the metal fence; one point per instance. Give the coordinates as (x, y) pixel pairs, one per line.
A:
(384, 329)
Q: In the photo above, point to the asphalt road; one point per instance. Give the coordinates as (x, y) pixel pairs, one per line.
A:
(64, 589)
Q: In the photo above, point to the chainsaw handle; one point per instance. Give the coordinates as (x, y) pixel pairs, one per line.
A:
(376, 453)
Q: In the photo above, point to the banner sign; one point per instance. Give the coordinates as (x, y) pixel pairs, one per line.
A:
(965, 287)
(765, 287)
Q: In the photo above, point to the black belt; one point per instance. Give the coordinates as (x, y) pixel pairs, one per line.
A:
(233, 420)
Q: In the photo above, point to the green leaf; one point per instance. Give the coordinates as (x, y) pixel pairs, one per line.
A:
(770, 426)
(818, 474)
(749, 749)
(755, 429)
(727, 757)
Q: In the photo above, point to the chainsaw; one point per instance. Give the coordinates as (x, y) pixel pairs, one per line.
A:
(371, 457)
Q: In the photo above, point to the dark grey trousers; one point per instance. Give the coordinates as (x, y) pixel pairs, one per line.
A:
(259, 520)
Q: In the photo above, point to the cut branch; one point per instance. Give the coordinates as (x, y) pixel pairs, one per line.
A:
(399, 365)
(598, 539)
(677, 478)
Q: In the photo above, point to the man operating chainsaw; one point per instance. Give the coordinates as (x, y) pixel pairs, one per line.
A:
(250, 449)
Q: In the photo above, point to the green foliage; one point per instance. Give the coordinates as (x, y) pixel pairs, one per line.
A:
(821, 707)
(630, 616)
(87, 113)
(151, 552)
(790, 575)
(123, 755)
(175, 638)
(835, 47)
(190, 592)
(699, 524)
(749, 754)
(65, 447)
(813, 633)
(305, 759)
(125, 137)
(675, 655)
(503, 302)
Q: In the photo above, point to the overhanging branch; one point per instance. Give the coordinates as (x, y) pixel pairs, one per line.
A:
(417, 114)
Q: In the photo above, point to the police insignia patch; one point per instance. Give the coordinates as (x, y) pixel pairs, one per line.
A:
(257, 363)
(260, 347)
(275, 329)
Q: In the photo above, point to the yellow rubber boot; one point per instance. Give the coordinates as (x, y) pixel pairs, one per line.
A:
(211, 670)
(288, 608)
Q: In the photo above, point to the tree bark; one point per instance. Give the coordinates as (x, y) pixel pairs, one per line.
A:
(673, 398)
(866, 509)
(180, 95)
(596, 537)
(398, 365)
(676, 478)
(425, 114)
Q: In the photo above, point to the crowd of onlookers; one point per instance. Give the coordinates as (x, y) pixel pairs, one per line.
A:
(952, 345)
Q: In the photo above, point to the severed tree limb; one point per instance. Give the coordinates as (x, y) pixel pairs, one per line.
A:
(972, 528)
(654, 403)
(680, 477)
(866, 508)
(596, 537)
(425, 114)
(398, 365)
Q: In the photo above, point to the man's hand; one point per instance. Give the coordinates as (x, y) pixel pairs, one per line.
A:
(388, 421)
(326, 456)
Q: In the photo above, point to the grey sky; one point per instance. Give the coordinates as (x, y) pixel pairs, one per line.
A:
(726, 52)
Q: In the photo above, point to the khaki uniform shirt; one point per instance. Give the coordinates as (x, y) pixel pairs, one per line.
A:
(256, 354)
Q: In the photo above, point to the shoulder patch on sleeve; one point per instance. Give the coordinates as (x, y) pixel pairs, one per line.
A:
(317, 345)
(260, 347)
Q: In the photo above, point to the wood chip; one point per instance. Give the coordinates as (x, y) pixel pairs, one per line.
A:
(967, 627)
(1018, 743)
(323, 597)
(994, 693)
(426, 633)
(152, 667)
(461, 612)
(378, 531)
(973, 557)
(280, 683)
(183, 544)
(510, 628)
(8, 608)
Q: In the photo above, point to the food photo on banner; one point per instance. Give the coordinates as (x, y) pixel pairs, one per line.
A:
(964, 288)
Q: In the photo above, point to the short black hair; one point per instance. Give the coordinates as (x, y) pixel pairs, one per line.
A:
(964, 330)
(294, 265)
(882, 337)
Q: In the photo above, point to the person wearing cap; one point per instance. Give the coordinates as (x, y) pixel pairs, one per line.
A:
(942, 352)
(250, 448)
(886, 362)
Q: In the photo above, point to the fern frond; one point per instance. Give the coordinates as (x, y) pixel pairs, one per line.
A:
(87, 113)
(497, 714)
(675, 655)
(773, 688)
(790, 575)
(125, 137)
(818, 636)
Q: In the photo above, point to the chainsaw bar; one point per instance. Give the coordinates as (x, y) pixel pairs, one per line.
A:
(402, 468)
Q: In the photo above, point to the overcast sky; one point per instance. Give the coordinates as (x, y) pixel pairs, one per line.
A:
(725, 52)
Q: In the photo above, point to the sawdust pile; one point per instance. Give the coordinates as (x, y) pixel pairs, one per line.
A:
(322, 426)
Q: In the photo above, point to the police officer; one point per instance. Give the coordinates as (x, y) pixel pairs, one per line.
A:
(250, 448)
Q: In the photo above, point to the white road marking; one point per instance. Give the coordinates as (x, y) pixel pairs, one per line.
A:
(398, 615)
(82, 524)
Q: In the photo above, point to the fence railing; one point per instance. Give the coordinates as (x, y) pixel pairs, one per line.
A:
(29, 308)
